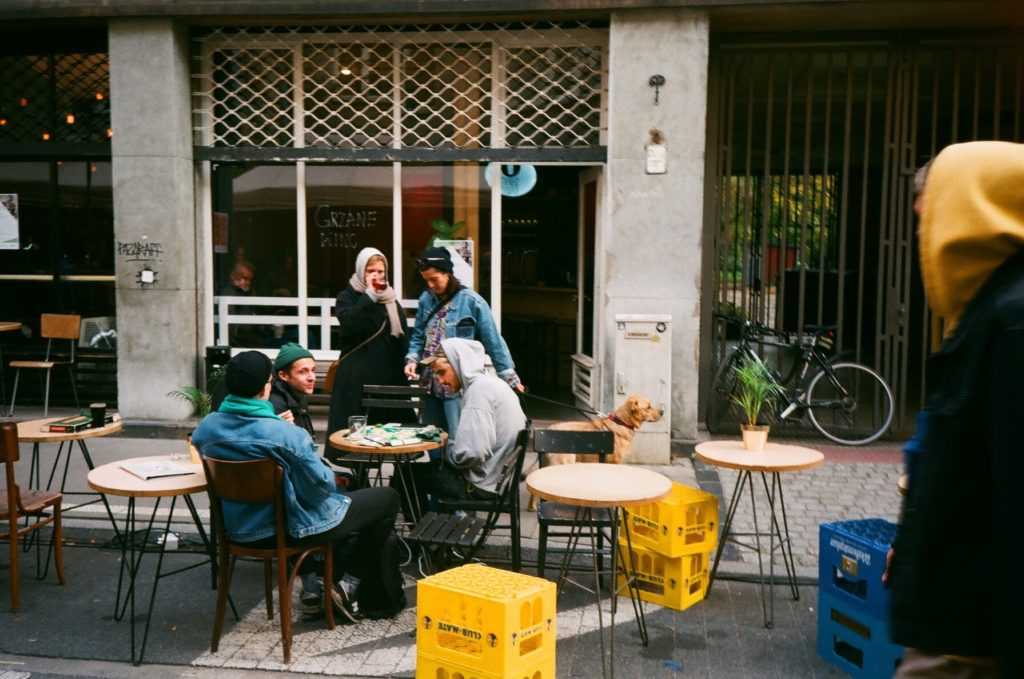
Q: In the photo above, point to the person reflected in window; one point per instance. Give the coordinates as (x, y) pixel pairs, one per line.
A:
(449, 309)
(240, 285)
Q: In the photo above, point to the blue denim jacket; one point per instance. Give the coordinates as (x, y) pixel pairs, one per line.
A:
(311, 504)
(470, 318)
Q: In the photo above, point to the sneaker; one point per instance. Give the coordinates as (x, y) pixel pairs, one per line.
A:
(311, 602)
(345, 604)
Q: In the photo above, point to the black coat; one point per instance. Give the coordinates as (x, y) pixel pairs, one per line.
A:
(957, 557)
(379, 361)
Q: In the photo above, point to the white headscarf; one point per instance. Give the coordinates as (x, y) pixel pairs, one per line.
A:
(386, 296)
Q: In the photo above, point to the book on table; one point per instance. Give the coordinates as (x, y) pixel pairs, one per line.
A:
(154, 469)
(75, 423)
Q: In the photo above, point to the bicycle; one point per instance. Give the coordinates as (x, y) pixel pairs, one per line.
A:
(847, 402)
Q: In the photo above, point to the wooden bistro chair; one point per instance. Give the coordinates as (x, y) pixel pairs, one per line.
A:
(457, 537)
(39, 507)
(555, 514)
(55, 329)
(259, 482)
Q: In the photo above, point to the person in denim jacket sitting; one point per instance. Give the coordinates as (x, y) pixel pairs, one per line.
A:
(449, 309)
(246, 428)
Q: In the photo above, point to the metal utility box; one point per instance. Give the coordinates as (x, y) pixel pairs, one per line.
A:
(643, 367)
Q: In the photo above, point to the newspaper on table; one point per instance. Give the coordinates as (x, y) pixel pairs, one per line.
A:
(396, 435)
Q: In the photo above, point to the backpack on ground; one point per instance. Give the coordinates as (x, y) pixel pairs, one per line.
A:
(382, 594)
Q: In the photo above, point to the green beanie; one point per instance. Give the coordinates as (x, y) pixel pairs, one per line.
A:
(290, 353)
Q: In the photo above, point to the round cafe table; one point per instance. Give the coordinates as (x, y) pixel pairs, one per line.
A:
(400, 456)
(602, 486)
(33, 431)
(113, 479)
(775, 458)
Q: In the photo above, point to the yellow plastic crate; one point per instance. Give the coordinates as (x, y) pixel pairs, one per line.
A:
(429, 667)
(674, 582)
(685, 522)
(494, 621)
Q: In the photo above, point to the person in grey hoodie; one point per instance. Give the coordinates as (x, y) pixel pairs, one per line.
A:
(491, 418)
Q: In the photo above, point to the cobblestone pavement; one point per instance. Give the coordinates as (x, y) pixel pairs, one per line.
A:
(722, 636)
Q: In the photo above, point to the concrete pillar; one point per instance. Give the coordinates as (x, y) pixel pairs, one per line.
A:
(651, 237)
(154, 223)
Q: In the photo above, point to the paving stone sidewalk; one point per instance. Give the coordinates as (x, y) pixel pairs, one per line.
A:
(722, 636)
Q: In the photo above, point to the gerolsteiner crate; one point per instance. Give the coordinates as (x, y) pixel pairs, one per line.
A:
(684, 522)
(851, 562)
(854, 641)
(494, 621)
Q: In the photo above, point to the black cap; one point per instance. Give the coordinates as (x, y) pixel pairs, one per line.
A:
(247, 373)
(436, 258)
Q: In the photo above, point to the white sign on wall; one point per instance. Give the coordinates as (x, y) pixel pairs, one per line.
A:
(9, 221)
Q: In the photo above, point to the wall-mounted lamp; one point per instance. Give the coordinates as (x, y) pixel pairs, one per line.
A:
(656, 81)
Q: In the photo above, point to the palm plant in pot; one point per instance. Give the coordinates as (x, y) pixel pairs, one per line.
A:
(756, 389)
(201, 401)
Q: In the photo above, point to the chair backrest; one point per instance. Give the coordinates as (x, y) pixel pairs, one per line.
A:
(508, 483)
(60, 327)
(10, 454)
(250, 481)
(396, 397)
(392, 403)
(599, 442)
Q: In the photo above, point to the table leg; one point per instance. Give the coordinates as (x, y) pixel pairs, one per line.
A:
(726, 528)
(583, 519)
(783, 532)
(768, 601)
(630, 573)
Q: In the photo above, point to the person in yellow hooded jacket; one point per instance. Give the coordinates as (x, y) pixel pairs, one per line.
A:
(956, 592)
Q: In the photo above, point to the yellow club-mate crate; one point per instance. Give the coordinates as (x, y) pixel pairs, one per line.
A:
(684, 522)
(429, 667)
(672, 581)
(495, 621)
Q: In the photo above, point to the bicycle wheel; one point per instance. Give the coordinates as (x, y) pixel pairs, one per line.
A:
(721, 415)
(850, 403)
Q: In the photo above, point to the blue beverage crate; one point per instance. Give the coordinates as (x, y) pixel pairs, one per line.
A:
(851, 560)
(858, 644)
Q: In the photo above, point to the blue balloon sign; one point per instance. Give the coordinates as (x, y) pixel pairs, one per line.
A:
(516, 180)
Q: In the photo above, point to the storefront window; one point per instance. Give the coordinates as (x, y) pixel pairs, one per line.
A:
(59, 227)
(254, 221)
(452, 194)
(347, 209)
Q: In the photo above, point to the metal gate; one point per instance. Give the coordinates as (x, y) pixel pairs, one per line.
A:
(814, 147)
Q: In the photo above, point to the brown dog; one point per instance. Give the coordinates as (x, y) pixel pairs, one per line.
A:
(623, 423)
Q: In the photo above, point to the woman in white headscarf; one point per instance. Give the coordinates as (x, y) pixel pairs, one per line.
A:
(373, 339)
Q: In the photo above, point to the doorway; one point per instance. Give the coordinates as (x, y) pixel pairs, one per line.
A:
(545, 246)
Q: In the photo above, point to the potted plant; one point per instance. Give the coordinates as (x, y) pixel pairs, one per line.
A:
(756, 388)
(202, 405)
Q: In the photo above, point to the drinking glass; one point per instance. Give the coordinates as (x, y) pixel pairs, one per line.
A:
(355, 425)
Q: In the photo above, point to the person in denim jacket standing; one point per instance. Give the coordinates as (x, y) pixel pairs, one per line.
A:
(449, 309)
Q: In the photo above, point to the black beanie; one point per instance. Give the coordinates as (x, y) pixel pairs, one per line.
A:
(247, 373)
(436, 258)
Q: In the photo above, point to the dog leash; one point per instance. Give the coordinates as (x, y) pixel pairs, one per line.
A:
(585, 411)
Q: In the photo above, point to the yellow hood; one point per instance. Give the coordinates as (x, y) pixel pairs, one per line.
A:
(972, 220)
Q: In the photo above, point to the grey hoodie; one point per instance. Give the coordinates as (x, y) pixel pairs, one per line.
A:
(491, 416)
